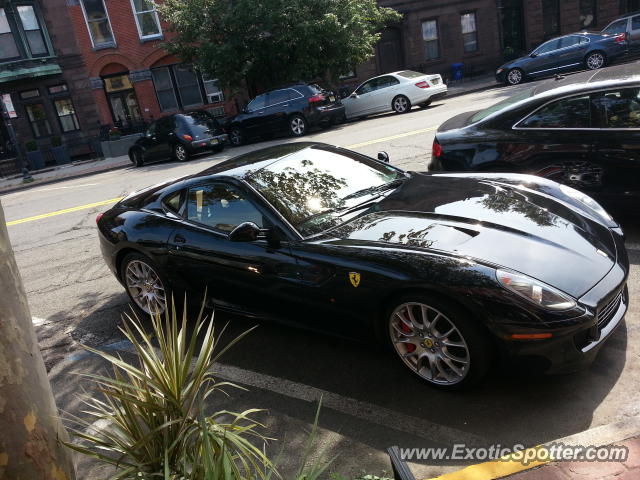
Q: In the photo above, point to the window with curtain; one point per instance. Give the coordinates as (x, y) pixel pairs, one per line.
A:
(67, 115)
(98, 22)
(430, 37)
(164, 88)
(32, 31)
(551, 17)
(38, 118)
(188, 86)
(146, 18)
(469, 32)
(180, 86)
(588, 10)
(8, 45)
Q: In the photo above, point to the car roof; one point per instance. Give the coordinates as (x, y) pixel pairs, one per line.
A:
(618, 75)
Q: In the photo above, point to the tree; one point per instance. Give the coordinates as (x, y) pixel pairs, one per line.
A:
(30, 429)
(269, 42)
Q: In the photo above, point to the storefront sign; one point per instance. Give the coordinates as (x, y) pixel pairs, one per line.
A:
(8, 105)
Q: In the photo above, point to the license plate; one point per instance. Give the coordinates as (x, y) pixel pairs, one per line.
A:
(214, 141)
(332, 98)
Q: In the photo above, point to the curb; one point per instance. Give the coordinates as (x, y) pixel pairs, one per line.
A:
(38, 183)
(474, 90)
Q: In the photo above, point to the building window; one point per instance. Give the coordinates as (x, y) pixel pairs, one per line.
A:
(551, 17)
(430, 37)
(29, 94)
(67, 115)
(8, 47)
(181, 86)
(38, 119)
(588, 13)
(469, 32)
(32, 31)
(146, 18)
(98, 23)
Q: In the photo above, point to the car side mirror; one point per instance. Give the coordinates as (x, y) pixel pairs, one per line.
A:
(533, 55)
(383, 157)
(353, 95)
(245, 232)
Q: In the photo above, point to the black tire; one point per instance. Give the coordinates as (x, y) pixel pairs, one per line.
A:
(595, 60)
(137, 158)
(477, 344)
(126, 262)
(297, 125)
(401, 104)
(180, 152)
(514, 76)
(236, 136)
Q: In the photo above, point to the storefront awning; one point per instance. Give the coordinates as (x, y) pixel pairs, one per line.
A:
(29, 72)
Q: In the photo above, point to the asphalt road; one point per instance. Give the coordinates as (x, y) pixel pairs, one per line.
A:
(371, 402)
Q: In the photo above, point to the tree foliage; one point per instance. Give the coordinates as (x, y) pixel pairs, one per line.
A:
(269, 42)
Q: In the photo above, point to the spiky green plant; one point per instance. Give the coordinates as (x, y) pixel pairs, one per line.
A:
(149, 420)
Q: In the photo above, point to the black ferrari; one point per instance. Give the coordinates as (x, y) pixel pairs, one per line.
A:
(451, 270)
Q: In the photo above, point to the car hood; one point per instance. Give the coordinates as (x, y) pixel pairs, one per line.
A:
(490, 221)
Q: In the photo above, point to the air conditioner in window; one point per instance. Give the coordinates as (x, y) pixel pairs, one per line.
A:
(215, 97)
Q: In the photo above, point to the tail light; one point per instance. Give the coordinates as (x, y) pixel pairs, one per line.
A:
(436, 150)
(317, 98)
(99, 216)
(188, 138)
(621, 37)
(423, 84)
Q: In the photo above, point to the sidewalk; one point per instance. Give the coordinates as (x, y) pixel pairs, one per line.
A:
(464, 86)
(63, 172)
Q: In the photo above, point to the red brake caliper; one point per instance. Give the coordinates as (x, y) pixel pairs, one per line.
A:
(410, 347)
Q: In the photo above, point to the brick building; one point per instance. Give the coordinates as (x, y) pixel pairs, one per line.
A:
(133, 80)
(42, 72)
(481, 34)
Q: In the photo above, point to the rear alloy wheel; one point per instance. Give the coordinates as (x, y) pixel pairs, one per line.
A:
(595, 60)
(137, 158)
(515, 76)
(438, 342)
(297, 125)
(180, 153)
(401, 104)
(144, 284)
(236, 136)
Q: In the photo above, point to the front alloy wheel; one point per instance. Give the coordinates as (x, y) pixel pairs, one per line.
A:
(144, 286)
(236, 136)
(180, 153)
(515, 76)
(297, 125)
(401, 104)
(595, 60)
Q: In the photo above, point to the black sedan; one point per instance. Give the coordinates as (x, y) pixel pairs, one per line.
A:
(178, 136)
(448, 269)
(582, 131)
(570, 52)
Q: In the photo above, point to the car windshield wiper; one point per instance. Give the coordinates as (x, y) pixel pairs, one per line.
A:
(378, 188)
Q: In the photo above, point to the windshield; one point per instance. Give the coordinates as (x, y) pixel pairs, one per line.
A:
(316, 187)
(507, 102)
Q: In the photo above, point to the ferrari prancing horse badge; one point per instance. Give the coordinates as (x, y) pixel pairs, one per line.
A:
(355, 278)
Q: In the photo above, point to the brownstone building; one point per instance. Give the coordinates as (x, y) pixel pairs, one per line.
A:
(43, 79)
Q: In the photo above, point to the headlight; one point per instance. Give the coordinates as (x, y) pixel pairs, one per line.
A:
(499, 71)
(535, 291)
(586, 200)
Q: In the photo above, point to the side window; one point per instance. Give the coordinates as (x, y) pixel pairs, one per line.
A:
(173, 202)
(616, 27)
(151, 130)
(548, 47)
(569, 41)
(367, 87)
(567, 113)
(279, 96)
(620, 108)
(389, 81)
(294, 94)
(165, 126)
(635, 22)
(220, 206)
(257, 103)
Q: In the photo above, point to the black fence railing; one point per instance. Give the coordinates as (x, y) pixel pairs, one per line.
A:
(117, 129)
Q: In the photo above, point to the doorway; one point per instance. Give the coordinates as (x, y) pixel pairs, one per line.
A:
(390, 51)
(123, 102)
(513, 37)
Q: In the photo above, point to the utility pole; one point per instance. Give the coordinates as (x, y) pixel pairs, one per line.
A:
(26, 176)
(30, 428)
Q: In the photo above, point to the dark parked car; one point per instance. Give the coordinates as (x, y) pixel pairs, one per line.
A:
(570, 52)
(582, 131)
(179, 136)
(292, 110)
(447, 269)
(629, 26)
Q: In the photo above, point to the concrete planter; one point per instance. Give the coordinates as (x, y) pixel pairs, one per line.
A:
(117, 148)
(36, 160)
(60, 154)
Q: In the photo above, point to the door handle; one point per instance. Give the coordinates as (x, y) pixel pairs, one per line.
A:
(179, 239)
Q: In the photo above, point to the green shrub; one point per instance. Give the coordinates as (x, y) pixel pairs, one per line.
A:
(32, 146)
(56, 141)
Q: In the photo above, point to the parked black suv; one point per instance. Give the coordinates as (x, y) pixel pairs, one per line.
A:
(179, 136)
(291, 109)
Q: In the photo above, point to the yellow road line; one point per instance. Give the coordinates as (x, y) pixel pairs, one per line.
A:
(66, 210)
(393, 137)
(507, 465)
